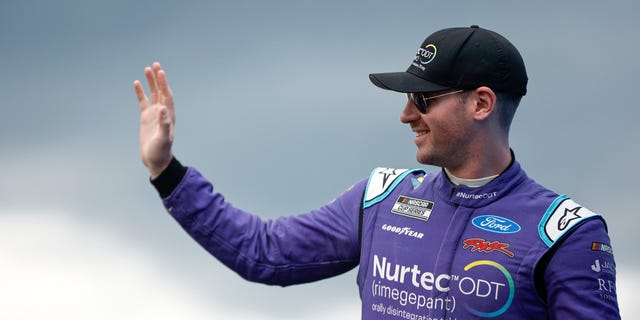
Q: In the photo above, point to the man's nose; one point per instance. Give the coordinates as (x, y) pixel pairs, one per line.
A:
(409, 113)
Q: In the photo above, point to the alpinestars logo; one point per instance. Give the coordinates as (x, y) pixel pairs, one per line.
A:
(562, 215)
(386, 174)
(568, 216)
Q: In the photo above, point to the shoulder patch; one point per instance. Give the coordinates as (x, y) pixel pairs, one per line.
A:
(562, 215)
(381, 182)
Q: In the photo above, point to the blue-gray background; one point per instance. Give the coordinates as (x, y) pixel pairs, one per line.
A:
(274, 105)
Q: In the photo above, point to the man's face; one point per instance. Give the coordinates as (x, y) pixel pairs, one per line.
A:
(441, 134)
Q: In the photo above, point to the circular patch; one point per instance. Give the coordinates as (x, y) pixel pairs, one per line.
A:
(427, 54)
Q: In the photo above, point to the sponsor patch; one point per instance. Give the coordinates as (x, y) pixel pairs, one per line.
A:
(599, 246)
(424, 56)
(381, 183)
(560, 217)
(403, 231)
(607, 289)
(495, 224)
(480, 245)
(413, 208)
(473, 196)
(486, 292)
(604, 266)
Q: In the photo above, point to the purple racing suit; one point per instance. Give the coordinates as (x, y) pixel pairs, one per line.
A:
(426, 248)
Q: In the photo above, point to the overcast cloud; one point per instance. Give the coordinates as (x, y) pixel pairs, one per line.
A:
(273, 104)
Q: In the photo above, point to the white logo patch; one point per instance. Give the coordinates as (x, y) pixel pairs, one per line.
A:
(566, 214)
(413, 208)
(381, 180)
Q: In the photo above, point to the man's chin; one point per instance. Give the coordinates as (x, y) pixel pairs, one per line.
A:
(428, 159)
(423, 159)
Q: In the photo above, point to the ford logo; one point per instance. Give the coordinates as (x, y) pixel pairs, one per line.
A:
(495, 224)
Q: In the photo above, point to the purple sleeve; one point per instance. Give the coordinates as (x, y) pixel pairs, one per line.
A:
(581, 276)
(284, 251)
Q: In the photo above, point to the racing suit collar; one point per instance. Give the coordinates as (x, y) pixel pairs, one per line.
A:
(484, 195)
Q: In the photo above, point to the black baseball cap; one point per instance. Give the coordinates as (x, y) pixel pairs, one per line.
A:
(460, 58)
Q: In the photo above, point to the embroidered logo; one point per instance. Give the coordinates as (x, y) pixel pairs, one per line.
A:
(604, 266)
(568, 216)
(403, 231)
(413, 208)
(562, 215)
(599, 246)
(480, 245)
(424, 56)
(495, 224)
(382, 181)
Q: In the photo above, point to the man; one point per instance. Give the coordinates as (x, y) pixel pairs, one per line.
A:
(477, 240)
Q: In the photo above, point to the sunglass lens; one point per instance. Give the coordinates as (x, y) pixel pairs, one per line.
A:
(420, 102)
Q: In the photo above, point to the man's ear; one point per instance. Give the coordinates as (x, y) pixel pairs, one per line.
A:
(485, 102)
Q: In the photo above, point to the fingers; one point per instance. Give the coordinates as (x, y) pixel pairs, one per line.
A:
(153, 87)
(156, 67)
(142, 98)
(165, 95)
(159, 90)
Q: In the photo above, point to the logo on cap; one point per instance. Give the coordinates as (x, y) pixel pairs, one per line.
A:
(425, 55)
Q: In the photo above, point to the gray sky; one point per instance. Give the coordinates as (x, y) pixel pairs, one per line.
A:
(273, 104)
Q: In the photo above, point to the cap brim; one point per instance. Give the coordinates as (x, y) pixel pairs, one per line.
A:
(404, 82)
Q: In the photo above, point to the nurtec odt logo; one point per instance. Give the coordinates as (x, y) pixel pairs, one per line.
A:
(425, 290)
(424, 56)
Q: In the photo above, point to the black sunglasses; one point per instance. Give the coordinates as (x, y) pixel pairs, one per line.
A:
(421, 100)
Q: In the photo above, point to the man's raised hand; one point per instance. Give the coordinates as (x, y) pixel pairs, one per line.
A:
(157, 120)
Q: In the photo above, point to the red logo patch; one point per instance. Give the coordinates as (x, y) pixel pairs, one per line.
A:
(477, 244)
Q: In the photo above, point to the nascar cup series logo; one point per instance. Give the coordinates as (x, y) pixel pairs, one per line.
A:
(425, 55)
(413, 207)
